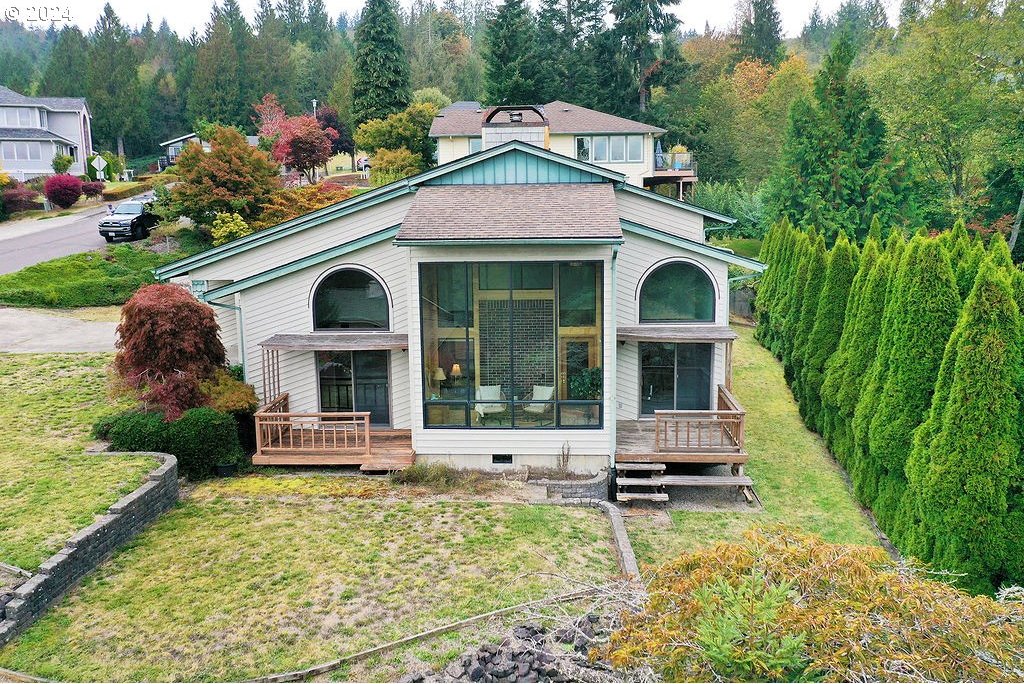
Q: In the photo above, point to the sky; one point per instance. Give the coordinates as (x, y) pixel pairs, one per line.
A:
(184, 15)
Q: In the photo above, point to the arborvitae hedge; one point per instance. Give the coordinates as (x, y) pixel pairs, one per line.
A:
(827, 328)
(837, 365)
(963, 481)
(929, 305)
(922, 400)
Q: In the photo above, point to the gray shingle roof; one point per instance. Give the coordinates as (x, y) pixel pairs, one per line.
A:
(32, 134)
(9, 97)
(563, 118)
(540, 211)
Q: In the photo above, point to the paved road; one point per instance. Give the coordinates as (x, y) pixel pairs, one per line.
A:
(36, 331)
(29, 241)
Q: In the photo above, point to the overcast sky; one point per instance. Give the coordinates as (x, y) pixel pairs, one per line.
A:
(184, 15)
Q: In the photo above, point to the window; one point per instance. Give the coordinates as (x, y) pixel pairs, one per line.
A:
(34, 151)
(583, 149)
(354, 381)
(635, 148)
(42, 118)
(618, 148)
(675, 376)
(19, 116)
(350, 299)
(21, 151)
(677, 292)
(475, 145)
(512, 344)
(8, 151)
(614, 148)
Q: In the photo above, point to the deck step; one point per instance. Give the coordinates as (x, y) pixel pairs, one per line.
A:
(641, 496)
(640, 466)
(685, 481)
(680, 457)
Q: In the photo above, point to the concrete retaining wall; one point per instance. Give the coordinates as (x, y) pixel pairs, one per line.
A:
(594, 488)
(91, 546)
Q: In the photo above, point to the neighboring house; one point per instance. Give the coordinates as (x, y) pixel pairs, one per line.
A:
(33, 130)
(512, 307)
(173, 147)
(611, 142)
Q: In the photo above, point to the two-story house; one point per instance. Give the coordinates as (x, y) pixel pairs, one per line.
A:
(621, 145)
(33, 130)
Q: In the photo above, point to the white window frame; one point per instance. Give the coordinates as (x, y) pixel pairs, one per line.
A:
(7, 151)
(630, 139)
(21, 150)
(588, 144)
(612, 141)
(43, 121)
(478, 142)
(593, 148)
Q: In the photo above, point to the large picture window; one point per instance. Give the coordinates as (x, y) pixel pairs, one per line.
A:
(677, 292)
(610, 148)
(512, 345)
(350, 299)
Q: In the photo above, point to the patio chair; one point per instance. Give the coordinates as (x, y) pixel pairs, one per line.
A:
(487, 411)
(542, 412)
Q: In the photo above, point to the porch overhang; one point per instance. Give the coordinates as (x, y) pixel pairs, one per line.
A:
(340, 341)
(676, 333)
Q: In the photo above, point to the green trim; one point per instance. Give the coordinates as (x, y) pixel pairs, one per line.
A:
(290, 227)
(299, 264)
(707, 213)
(483, 242)
(707, 250)
(364, 201)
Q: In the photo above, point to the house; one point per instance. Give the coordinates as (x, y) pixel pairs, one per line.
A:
(33, 130)
(173, 147)
(510, 307)
(626, 147)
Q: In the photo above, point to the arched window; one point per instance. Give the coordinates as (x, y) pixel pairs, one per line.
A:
(677, 292)
(350, 299)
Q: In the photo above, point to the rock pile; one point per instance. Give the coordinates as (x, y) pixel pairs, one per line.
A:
(532, 653)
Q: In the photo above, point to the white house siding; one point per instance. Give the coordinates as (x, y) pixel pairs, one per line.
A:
(656, 214)
(452, 148)
(636, 257)
(284, 305)
(471, 447)
(70, 126)
(227, 319)
(635, 172)
(307, 242)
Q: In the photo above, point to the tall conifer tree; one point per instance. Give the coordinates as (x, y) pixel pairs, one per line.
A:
(381, 77)
(512, 63)
(761, 34)
(66, 71)
(112, 81)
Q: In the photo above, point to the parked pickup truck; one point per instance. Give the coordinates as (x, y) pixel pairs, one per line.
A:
(131, 220)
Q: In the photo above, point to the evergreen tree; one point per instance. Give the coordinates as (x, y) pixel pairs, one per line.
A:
(564, 31)
(112, 81)
(264, 12)
(929, 304)
(271, 64)
(761, 34)
(910, 13)
(511, 60)
(381, 78)
(293, 14)
(792, 300)
(636, 22)
(964, 477)
(318, 26)
(215, 92)
(817, 264)
(66, 71)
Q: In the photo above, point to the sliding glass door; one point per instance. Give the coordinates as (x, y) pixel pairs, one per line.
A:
(675, 376)
(355, 381)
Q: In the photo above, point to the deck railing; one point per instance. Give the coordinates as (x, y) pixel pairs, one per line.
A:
(278, 430)
(717, 431)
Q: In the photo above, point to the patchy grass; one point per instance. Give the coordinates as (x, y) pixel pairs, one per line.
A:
(104, 277)
(258, 575)
(798, 482)
(50, 489)
(746, 247)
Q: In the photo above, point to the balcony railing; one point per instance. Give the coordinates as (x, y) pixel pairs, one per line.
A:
(279, 431)
(675, 161)
(718, 431)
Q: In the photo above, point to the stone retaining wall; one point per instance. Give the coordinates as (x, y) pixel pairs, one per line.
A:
(91, 546)
(594, 488)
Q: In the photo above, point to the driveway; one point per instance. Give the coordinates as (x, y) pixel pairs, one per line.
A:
(29, 241)
(22, 330)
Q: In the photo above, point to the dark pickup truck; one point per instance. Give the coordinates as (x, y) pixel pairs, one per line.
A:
(131, 220)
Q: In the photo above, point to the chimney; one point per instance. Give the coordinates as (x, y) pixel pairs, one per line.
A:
(525, 123)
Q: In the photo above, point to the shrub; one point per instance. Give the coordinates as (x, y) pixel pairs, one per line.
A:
(61, 163)
(291, 202)
(93, 188)
(388, 166)
(440, 477)
(137, 431)
(115, 165)
(738, 199)
(228, 227)
(826, 612)
(19, 197)
(224, 392)
(63, 190)
(167, 344)
(125, 191)
(202, 438)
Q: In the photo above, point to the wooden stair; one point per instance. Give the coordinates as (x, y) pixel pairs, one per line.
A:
(646, 481)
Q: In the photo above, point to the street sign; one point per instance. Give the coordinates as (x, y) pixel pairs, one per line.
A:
(99, 163)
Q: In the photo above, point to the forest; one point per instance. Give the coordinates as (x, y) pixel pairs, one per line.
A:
(916, 120)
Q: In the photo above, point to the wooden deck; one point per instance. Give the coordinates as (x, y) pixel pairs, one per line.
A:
(287, 438)
(644, 448)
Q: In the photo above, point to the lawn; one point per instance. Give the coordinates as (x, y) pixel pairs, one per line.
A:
(797, 480)
(50, 489)
(746, 247)
(104, 277)
(262, 574)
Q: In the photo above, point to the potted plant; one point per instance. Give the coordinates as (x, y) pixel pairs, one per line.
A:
(678, 156)
(227, 464)
(586, 384)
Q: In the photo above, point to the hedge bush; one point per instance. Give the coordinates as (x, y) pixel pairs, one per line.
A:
(93, 188)
(125, 191)
(135, 431)
(63, 190)
(20, 197)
